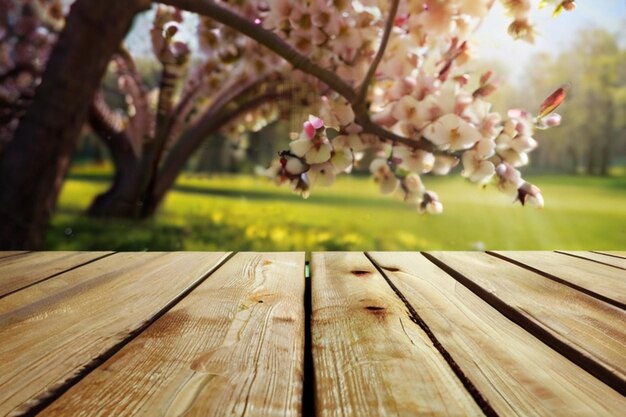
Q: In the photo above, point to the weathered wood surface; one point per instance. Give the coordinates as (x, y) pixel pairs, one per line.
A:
(605, 282)
(588, 331)
(52, 331)
(196, 334)
(8, 253)
(17, 272)
(599, 257)
(617, 254)
(515, 372)
(369, 357)
(234, 346)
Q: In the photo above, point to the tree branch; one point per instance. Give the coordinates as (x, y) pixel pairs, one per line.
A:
(276, 44)
(362, 94)
(213, 119)
(141, 123)
(197, 132)
(104, 121)
(375, 129)
(266, 38)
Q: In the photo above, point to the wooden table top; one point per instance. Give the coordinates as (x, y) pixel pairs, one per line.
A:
(345, 334)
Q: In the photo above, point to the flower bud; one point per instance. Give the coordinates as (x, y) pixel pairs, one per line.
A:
(552, 120)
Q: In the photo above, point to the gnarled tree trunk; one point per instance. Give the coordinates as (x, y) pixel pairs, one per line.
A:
(34, 164)
(120, 200)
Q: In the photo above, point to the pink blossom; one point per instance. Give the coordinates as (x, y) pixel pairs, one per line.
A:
(309, 130)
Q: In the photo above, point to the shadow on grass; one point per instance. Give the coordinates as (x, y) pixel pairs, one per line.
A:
(348, 200)
(257, 195)
(76, 232)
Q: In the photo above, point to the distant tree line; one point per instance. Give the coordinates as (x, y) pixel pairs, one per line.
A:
(593, 134)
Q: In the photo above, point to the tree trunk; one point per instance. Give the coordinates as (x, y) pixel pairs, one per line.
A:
(34, 164)
(121, 199)
(573, 157)
(591, 158)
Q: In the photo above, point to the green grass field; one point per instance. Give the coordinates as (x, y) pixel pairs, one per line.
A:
(247, 213)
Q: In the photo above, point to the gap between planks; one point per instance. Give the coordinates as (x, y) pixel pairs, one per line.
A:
(458, 371)
(368, 360)
(600, 258)
(308, 383)
(30, 268)
(8, 254)
(615, 254)
(602, 283)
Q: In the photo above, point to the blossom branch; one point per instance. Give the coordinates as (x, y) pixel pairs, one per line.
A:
(360, 98)
(266, 38)
(140, 124)
(273, 42)
(107, 124)
(377, 130)
(103, 118)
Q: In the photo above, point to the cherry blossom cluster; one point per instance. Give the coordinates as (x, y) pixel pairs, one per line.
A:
(229, 60)
(433, 113)
(28, 29)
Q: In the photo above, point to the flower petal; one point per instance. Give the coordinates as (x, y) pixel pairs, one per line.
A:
(318, 154)
(316, 122)
(299, 147)
(388, 184)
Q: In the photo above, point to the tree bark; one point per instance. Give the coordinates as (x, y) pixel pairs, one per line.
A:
(591, 158)
(121, 199)
(34, 164)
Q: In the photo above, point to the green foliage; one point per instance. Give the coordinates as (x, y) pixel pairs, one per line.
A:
(246, 213)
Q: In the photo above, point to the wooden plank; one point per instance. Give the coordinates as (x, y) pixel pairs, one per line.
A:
(53, 332)
(588, 331)
(18, 272)
(370, 358)
(8, 253)
(616, 254)
(599, 257)
(514, 371)
(601, 281)
(233, 346)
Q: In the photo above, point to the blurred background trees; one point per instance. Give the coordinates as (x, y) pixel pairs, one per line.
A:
(594, 136)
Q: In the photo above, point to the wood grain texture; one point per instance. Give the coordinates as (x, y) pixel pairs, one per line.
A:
(599, 257)
(232, 347)
(588, 331)
(617, 254)
(52, 331)
(599, 280)
(17, 272)
(515, 372)
(8, 253)
(370, 359)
